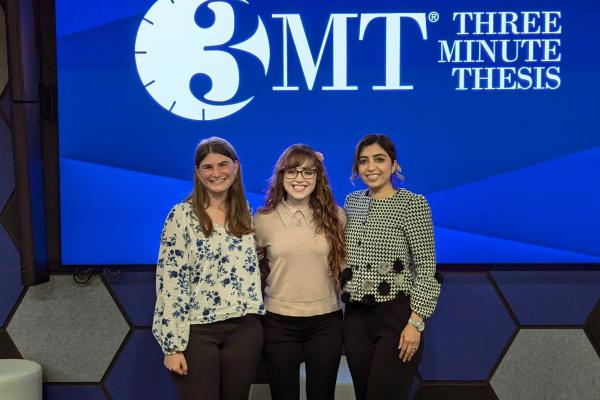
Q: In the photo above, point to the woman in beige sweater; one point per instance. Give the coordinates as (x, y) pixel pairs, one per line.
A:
(300, 232)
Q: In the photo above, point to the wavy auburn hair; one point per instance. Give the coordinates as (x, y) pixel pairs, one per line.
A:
(238, 220)
(321, 203)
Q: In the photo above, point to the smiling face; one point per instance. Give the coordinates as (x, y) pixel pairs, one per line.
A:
(375, 167)
(217, 173)
(299, 182)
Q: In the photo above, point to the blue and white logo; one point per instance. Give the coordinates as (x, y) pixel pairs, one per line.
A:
(171, 48)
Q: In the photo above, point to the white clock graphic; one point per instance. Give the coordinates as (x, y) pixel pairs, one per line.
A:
(170, 48)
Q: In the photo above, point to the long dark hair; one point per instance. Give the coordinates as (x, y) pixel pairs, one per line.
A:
(386, 144)
(238, 220)
(321, 202)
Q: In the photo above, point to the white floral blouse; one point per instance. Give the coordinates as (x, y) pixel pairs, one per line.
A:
(201, 279)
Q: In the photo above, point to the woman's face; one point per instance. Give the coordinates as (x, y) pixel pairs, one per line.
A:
(300, 182)
(217, 173)
(375, 167)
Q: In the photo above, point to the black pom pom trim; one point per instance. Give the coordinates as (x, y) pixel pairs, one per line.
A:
(345, 275)
(384, 288)
(398, 266)
(400, 295)
(439, 277)
(368, 300)
(345, 297)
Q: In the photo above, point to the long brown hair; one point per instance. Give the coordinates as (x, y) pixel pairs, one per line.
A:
(321, 203)
(238, 220)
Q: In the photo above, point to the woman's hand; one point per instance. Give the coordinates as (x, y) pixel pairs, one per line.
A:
(176, 363)
(409, 342)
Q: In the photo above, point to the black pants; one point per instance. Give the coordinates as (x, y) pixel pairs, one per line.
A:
(371, 338)
(222, 358)
(289, 341)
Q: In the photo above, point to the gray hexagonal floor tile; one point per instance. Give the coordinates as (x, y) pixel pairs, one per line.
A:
(548, 364)
(73, 331)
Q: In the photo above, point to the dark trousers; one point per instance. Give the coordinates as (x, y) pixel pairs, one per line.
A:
(222, 358)
(371, 338)
(316, 340)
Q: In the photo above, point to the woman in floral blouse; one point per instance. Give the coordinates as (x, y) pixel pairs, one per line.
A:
(208, 283)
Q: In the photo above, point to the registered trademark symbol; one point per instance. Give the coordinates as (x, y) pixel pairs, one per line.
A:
(433, 16)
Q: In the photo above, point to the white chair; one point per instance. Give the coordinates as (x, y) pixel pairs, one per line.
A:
(20, 380)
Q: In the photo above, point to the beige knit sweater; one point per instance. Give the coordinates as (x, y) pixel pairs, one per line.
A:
(299, 283)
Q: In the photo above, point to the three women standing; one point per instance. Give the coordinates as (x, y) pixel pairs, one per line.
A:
(208, 283)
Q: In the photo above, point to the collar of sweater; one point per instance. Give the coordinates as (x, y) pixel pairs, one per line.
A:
(294, 214)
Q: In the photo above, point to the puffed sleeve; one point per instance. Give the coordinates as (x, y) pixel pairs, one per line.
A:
(171, 326)
(259, 230)
(263, 262)
(419, 231)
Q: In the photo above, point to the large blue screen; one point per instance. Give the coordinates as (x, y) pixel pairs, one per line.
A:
(492, 105)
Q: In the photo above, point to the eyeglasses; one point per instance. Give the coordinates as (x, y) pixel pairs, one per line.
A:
(292, 173)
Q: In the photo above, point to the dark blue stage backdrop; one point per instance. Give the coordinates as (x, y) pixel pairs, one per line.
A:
(493, 106)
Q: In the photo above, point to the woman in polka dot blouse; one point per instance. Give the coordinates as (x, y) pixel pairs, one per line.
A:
(390, 285)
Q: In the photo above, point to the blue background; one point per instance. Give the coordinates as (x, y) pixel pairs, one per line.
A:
(510, 175)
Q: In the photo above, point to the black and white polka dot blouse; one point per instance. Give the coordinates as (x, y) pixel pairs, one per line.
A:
(391, 251)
